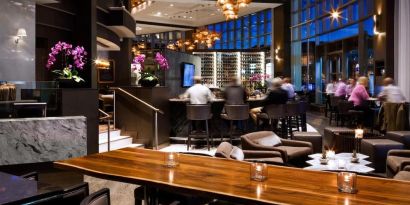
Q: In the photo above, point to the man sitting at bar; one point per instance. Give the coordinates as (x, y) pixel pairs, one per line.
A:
(288, 87)
(235, 94)
(198, 94)
(341, 89)
(350, 86)
(390, 92)
(276, 96)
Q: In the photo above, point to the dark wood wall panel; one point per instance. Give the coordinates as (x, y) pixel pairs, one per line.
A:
(282, 39)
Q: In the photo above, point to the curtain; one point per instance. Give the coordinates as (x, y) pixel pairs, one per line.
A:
(402, 45)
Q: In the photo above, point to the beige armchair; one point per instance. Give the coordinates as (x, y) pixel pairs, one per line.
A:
(225, 149)
(403, 175)
(290, 149)
(397, 160)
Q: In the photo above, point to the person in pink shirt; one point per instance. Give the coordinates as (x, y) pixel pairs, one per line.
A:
(359, 94)
(341, 89)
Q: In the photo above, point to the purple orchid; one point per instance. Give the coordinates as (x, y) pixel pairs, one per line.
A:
(162, 61)
(259, 77)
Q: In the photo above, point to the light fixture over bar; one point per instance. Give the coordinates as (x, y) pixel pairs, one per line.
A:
(230, 8)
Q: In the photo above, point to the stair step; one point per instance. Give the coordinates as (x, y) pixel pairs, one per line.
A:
(103, 140)
(116, 143)
(113, 133)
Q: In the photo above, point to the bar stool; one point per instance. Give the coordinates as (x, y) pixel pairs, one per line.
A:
(334, 101)
(198, 113)
(292, 113)
(274, 112)
(235, 113)
(303, 106)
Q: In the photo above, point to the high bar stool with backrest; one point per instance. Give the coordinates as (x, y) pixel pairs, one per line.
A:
(198, 113)
(334, 101)
(235, 113)
(292, 113)
(274, 112)
(303, 106)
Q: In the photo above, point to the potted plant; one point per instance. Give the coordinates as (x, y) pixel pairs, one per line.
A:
(71, 60)
(257, 81)
(148, 76)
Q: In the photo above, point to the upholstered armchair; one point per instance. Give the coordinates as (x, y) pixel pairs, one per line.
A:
(397, 160)
(403, 175)
(226, 150)
(268, 141)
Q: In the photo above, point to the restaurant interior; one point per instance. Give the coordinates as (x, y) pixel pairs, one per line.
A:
(195, 102)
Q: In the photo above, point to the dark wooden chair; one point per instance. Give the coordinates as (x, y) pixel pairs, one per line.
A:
(101, 197)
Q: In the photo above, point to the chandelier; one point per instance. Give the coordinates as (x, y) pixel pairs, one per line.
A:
(206, 37)
(140, 5)
(230, 8)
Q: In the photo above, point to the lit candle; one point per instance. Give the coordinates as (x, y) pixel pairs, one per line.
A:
(346, 182)
(347, 178)
(359, 133)
(171, 159)
(258, 171)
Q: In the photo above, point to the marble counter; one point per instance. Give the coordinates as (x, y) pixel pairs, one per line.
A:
(33, 140)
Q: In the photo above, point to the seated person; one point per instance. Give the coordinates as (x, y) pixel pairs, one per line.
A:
(350, 86)
(341, 89)
(276, 96)
(288, 87)
(234, 93)
(198, 94)
(359, 94)
(390, 92)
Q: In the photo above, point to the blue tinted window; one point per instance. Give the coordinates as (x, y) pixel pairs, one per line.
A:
(225, 46)
(246, 21)
(254, 42)
(238, 23)
(335, 4)
(231, 45)
(269, 15)
(328, 5)
(254, 19)
(224, 27)
(312, 28)
(312, 12)
(344, 19)
(254, 31)
(224, 36)
(246, 33)
(268, 40)
(231, 25)
(261, 29)
(211, 27)
(238, 34)
(303, 31)
(369, 26)
(345, 1)
(245, 44)
(327, 24)
(231, 35)
(355, 12)
(261, 17)
(238, 44)
(217, 44)
(303, 16)
(269, 27)
(261, 41)
(304, 3)
(218, 28)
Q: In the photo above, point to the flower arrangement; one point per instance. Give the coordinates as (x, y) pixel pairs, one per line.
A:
(259, 77)
(72, 58)
(148, 78)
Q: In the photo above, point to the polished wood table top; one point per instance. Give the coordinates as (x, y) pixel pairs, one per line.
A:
(229, 179)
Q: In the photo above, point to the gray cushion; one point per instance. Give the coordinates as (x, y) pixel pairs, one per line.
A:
(237, 154)
(269, 141)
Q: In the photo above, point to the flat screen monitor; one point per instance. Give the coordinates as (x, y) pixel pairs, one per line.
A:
(188, 72)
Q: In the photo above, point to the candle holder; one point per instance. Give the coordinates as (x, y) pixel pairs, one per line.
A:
(171, 159)
(259, 171)
(347, 182)
(354, 159)
(358, 133)
(324, 160)
(330, 154)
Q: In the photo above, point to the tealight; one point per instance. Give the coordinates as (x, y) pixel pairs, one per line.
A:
(171, 159)
(259, 171)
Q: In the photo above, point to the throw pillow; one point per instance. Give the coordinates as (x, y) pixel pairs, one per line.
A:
(269, 141)
(237, 153)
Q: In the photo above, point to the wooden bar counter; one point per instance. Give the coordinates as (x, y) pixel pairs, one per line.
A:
(229, 180)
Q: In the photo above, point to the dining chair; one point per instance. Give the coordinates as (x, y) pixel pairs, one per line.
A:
(75, 194)
(101, 197)
(30, 176)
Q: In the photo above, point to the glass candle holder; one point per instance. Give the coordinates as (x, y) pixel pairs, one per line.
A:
(330, 154)
(347, 182)
(341, 164)
(259, 171)
(171, 159)
(358, 133)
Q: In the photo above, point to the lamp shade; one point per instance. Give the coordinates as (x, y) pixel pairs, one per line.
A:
(21, 32)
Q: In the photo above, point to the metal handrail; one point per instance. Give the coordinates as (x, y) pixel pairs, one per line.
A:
(156, 111)
(107, 116)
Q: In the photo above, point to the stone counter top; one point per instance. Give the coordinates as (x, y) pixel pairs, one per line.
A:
(33, 140)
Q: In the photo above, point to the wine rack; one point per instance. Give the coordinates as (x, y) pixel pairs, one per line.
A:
(218, 67)
(208, 60)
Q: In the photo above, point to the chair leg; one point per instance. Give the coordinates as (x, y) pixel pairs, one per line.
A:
(230, 130)
(189, 135)
(207, 135)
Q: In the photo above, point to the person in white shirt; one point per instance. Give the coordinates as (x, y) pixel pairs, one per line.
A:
(350, 86)
(288, 87)
(390, 92)
(198, 93)
(331, 87)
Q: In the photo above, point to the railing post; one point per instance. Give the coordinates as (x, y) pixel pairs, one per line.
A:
(115, 114)
(108, 136)
(156, 130)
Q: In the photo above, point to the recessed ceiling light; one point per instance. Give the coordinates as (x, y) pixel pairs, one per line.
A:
(171, 5)
(190, 17)
(212, 14)
(184, 17)
(138, 28)
(165, 14)
(158, 13)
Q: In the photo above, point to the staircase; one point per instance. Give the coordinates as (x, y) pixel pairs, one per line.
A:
(117, 141)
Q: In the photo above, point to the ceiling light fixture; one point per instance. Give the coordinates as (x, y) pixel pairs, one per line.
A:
(206, 37)
(139, 5)
(230, 8)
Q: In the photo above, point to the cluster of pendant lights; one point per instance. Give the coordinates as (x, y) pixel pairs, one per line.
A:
(202, 36)
(230, 8)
